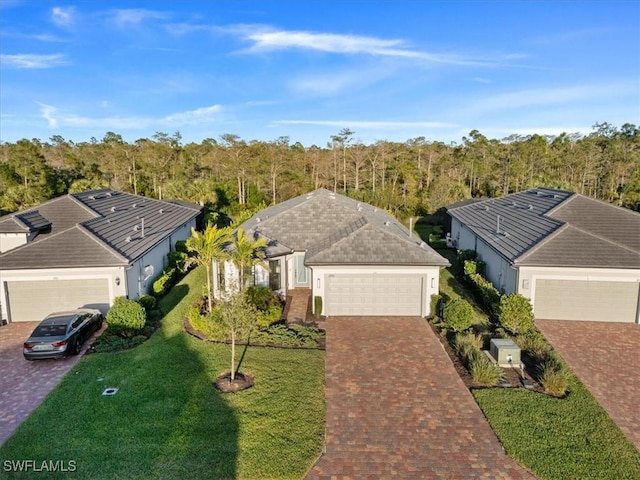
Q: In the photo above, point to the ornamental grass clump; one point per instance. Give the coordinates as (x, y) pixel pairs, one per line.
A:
(554, 376)
(483, 371)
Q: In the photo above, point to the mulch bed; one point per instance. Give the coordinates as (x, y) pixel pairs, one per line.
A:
(512, 375)
(242, 381)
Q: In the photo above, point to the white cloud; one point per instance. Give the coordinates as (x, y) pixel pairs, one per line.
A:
(134, 16)
(367, 125)
(32, 60)
(63, 16)
(55, 118)
(194, 117)
(266, 39)
(481, 80)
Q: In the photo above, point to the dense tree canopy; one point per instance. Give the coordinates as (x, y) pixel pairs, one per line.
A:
(410, 178)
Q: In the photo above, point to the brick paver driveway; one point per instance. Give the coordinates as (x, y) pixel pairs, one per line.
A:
(604, 356)
(24, 384)
(397, 408)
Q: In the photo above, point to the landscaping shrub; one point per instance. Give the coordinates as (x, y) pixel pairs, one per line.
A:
(466, 345)
(436, 305)
(126, 317)
(272, 315)
(177, 260)
(153, 316)
(148, 302)
(261, 297)
(515, 314)
(464, 255)
(164, 282)
(554, 377)
(317, 306)
(483, 371)
(534, 344)
(458, 315)
(472, 267)
(181, 246)
(485, 292)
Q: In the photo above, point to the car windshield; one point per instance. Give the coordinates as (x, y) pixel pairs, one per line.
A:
(49, 331)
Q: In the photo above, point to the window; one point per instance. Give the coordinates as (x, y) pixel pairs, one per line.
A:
(248, 277)
(274, 275)
(221, 278)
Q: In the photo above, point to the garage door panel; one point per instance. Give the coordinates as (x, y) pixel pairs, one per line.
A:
(366, 294)
(33, 300)
(586, 300)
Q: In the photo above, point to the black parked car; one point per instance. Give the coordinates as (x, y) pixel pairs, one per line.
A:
(61, 334)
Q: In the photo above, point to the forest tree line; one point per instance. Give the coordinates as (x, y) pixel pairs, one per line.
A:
(415, 177)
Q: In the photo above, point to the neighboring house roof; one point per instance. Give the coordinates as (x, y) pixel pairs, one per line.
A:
(96, 228)
(548, 227)
(334, 229)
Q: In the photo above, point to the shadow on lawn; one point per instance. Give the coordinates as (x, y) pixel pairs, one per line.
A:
(204, 434)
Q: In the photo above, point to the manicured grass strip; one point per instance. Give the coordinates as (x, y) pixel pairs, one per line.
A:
(168, 421)
(571, 438)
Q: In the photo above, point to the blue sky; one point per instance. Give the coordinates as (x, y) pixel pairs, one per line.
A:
(392, 70)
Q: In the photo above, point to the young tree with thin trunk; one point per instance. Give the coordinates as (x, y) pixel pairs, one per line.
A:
(239, 317)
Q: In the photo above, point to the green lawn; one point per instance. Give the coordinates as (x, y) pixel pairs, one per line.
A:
(167, 420)
(570, 438)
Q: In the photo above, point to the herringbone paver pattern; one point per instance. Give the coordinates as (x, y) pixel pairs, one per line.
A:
(24, 384)
(396, 408)
(604, 356)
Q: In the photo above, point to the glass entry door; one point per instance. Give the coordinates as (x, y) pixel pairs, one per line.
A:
(302, 273)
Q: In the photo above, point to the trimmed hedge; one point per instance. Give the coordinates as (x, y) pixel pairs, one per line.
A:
(486, 292)
(515, 314)
(163, 283)
(458, 315)
(126, 317)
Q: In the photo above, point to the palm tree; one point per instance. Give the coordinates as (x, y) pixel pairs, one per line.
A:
(207, 247)
(246, 252)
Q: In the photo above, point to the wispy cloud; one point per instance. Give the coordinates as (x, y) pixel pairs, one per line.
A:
(481, 80)
(552, 96)
(32, 60)
(63, 16)
(135, 16)
(265, 39)
(367, 124)
(55, 119)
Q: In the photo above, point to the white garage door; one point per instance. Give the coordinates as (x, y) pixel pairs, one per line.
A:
(374, 294)
(586, 300)
(34, 300)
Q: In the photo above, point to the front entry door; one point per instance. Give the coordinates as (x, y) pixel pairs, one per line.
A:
(302, 275)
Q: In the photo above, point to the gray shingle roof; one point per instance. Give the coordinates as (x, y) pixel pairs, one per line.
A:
(547, 227)
(100, 221)
(335, 229)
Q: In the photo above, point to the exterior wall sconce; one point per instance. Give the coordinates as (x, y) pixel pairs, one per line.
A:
(117, 280)
(318, 283)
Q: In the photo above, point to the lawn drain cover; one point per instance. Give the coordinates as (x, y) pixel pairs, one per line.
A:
(110, 391)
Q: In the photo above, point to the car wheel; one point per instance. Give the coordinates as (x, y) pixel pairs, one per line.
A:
(77, 346)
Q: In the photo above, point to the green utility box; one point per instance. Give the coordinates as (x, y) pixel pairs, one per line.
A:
(505, 352)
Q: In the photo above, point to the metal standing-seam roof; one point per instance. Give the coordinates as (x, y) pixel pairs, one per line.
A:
(548, 227)
(334, 229)
(96, 228)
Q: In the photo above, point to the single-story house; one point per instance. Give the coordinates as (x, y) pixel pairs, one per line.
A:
(574, 257)
(359, 259)
(84, 250)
